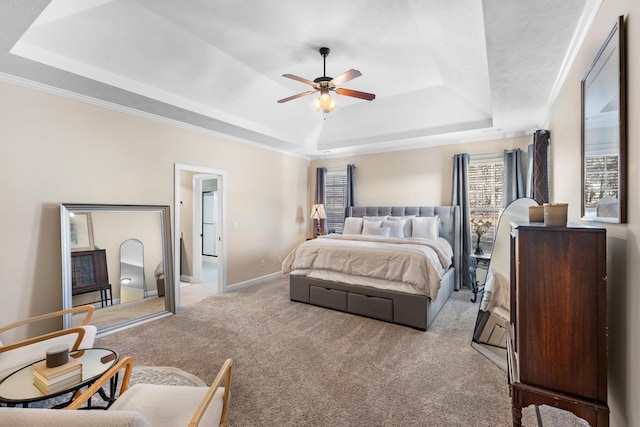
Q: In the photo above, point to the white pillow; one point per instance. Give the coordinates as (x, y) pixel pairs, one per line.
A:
(374, 218)
(352, 225)
(369, 225)
(407, 223)
(378, 231)
(425, 227)
(396, 228)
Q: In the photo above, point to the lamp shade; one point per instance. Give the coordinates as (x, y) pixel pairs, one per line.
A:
(317, 212)
(324, 103)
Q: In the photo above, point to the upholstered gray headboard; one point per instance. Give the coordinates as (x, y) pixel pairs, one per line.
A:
(449, 224)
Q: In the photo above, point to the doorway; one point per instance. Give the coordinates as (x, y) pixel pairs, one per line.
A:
(206, 228)
(198, 223)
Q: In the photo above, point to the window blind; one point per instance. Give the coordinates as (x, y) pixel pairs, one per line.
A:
(485, 196)
(335, 200)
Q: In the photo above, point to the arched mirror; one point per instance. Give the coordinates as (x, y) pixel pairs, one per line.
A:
(110, 256)
(133, 286)
(489, 336)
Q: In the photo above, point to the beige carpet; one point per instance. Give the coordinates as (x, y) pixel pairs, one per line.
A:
(299, 365)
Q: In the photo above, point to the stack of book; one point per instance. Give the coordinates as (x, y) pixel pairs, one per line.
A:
(53, 380)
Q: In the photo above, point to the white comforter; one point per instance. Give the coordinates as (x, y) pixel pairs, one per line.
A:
(419, 263)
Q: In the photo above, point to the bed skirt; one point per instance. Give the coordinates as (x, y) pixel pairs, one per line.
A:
(416, 311)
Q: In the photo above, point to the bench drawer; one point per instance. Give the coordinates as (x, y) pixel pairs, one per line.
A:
(374, 307)
(329, 298)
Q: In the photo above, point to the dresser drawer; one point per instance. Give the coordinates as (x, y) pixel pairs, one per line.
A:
(329, 298)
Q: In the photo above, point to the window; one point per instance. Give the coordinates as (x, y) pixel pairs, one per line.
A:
(335, 199)
(600, 179)
(485, 197)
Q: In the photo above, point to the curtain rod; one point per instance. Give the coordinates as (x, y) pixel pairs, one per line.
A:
(338, 168)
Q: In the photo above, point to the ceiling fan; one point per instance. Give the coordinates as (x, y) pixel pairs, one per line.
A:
(325, 84)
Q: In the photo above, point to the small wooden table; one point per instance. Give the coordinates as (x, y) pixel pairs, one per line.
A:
(18, 388)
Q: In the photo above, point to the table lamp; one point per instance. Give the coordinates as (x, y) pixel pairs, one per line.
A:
(318, 213)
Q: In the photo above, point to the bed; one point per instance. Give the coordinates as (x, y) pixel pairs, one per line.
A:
(395, 291)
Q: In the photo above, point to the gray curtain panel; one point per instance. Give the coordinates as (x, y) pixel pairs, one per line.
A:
(321, 174)
(513, 182)
(460, 197)
(538, 176)
(351, 200)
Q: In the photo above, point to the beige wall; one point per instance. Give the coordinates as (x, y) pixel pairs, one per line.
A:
(55, 150)
(419, 177)
(186, 222)
(623, 267)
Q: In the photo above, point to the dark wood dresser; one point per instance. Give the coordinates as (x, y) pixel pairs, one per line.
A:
(557, 339)
(89, 274)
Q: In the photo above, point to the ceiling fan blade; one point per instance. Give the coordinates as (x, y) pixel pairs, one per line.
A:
(309, 92)
(345, 77)
(356, 94)
(300, 79)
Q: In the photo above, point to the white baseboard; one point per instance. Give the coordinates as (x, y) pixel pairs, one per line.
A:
(185, 278)
(252, 282)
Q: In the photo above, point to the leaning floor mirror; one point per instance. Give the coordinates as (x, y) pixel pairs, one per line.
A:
(119, 259)
(489, 336)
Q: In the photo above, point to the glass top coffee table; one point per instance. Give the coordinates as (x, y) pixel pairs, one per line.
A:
(18, 388)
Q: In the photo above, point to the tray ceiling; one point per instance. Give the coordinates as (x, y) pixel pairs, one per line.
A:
(443, 72)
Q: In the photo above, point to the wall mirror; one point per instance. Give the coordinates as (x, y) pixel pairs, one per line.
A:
(604, 142)
(118, 258)
(489, 336)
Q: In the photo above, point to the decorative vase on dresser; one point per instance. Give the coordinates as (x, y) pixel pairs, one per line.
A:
(557, 341)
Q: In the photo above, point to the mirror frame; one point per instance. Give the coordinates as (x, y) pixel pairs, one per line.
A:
(165, 214)
(615, 41)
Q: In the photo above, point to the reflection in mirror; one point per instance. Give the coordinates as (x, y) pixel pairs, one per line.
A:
(604, 133)
(489, 336)
(110, 258)
(132, 283)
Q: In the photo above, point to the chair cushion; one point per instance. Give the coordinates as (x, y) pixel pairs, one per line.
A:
(18, 417)
(90, 332)
(167, 405)
(23, 356)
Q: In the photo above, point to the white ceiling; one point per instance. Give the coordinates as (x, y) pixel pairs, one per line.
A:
(443, 71)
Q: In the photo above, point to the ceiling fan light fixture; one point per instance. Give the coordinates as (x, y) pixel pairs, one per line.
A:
(324, 103)
(331, 107)
(325, 99)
